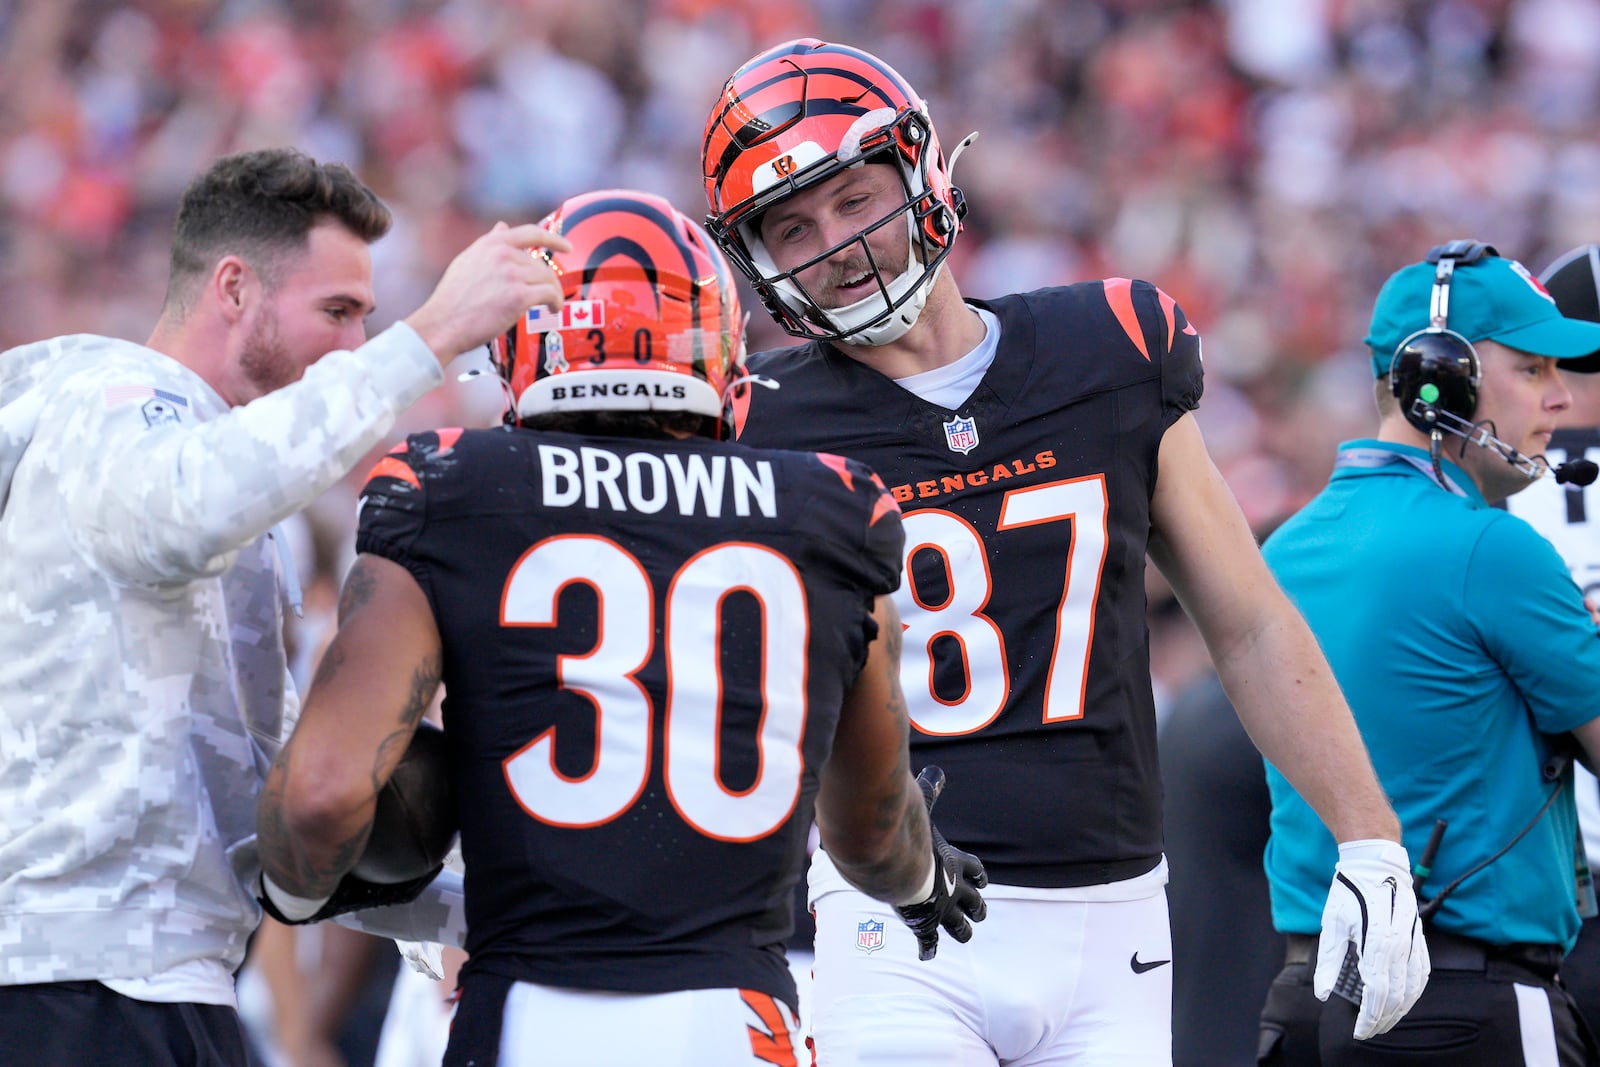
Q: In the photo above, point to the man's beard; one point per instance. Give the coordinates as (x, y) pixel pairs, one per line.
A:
(264, 361)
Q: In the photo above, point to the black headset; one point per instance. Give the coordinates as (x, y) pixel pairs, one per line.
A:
(1437, 369)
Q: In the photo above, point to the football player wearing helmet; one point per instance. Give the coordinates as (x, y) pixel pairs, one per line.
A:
(1040, 445)
(661, 650)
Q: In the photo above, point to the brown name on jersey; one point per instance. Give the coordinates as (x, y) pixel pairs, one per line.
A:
(955, 483)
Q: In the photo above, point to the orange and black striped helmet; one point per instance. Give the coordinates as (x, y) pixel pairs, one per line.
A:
(650, 319)
(799, 114)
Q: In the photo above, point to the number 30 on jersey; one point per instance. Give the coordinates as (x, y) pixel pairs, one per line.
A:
(605, 676)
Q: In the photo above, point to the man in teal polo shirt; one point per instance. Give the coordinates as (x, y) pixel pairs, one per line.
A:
(1471, 665)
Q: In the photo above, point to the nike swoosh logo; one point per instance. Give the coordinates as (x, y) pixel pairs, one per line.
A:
(1139, 966)
(1394, 893)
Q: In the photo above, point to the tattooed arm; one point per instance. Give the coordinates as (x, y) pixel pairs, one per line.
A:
(374, 682)
(870, 812)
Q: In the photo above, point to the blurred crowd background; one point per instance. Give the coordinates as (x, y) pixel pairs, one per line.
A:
(1267, 162)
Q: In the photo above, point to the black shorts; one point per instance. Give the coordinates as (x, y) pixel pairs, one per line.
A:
(1468, 1016)
(86, 1024)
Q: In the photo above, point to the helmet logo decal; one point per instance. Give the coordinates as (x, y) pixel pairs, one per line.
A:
(961, 434)
(781, 169)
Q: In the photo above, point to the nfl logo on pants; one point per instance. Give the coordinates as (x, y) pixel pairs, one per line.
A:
(869, 935)
(961, 434)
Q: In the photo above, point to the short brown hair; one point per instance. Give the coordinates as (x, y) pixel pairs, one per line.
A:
(260, 206)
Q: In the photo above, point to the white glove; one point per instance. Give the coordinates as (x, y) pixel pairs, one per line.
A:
(1372, 904)
(425, 957)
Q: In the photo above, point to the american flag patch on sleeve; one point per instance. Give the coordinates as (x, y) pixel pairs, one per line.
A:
(120, 394)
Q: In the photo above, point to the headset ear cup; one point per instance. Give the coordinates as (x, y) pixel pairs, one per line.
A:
(1435, 371)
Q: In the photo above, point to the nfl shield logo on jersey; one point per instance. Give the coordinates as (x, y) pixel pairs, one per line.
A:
(961, 434)
(869, 935)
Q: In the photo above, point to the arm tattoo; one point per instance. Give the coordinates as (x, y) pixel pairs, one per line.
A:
(358, 587)
(424, 684)
(328, 666)
(306, 875)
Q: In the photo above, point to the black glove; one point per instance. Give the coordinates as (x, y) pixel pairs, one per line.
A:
(355, 894)
(957, 877)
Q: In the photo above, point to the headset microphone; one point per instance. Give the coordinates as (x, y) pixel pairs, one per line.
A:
(1577, 472)
(1573, 472)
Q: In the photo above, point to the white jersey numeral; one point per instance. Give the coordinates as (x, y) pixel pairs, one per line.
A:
(959, 616)
(606, 677)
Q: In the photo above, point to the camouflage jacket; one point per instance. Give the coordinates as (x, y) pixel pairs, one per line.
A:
(143, 685)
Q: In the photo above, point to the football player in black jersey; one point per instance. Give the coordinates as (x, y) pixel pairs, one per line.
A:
(659, 649)
(1039, 445)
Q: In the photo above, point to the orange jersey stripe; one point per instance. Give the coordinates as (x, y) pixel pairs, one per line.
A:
(837, 465)
(448, 438)
(1169, 309)
(391, 467)
(1119, 294)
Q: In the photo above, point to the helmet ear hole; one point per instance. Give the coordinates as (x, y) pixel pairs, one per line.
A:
(1435, 371)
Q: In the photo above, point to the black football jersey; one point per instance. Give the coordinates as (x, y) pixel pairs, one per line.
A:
(646, 644)
(1026, 660)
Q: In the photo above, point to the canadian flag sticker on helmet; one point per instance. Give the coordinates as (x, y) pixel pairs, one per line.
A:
(574, 315)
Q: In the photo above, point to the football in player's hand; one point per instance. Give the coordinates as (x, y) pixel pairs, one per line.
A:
(414, 826)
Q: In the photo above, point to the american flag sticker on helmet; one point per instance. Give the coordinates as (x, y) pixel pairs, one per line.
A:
(574, 315)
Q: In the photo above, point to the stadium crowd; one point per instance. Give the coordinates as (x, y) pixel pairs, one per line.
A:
(1266, 161)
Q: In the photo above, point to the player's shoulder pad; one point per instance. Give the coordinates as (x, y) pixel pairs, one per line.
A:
(1154, 323)
(883, 535)
(795, 367)
(403, 470)
(779, 361)
(862, 481)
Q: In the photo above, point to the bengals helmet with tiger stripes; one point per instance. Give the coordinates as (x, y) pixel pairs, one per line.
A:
(650, 319)
(799, 114)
